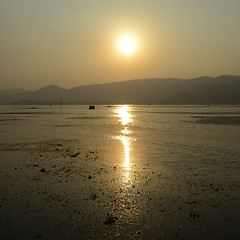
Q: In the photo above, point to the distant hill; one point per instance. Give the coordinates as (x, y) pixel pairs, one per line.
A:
(8, 92)
(203, 90)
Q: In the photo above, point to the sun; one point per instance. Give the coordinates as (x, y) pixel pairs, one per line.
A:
(127, 44)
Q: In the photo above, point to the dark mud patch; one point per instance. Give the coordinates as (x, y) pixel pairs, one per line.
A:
(80, 118)
(223, 120)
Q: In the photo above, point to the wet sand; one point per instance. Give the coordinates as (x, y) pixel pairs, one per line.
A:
(71, 189)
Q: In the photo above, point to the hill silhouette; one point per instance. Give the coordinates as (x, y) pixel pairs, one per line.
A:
(203, 90)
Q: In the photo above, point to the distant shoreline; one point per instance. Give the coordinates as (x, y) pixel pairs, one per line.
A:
(34, 104)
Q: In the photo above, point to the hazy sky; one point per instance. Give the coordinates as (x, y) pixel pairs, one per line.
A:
(74, 42)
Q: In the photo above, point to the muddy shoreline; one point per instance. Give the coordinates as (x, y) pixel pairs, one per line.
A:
(68, 189)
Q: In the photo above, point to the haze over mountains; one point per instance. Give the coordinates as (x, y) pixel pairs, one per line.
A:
(203, 90)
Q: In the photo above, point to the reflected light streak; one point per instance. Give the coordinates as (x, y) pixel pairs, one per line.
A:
(125, 131)
(126, 143)
(124, 115)
(123, 112)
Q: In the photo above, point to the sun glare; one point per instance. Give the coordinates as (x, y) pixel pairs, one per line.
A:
(127, 44)
(125, 117)
(123, 112)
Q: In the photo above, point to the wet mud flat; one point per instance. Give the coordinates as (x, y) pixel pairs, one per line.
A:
(68, 189)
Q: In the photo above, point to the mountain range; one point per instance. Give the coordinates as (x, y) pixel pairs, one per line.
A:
(203, 90)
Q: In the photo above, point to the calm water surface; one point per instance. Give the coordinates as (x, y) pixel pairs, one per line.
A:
(150, 134)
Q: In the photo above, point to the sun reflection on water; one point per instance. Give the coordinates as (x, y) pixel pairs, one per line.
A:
(125, 118)
(126, 131)
(127, 147)
(124, 114)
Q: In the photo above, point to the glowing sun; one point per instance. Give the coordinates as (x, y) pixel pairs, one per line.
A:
(127, 44)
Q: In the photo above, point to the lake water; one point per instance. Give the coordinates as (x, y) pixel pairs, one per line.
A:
(156, 135)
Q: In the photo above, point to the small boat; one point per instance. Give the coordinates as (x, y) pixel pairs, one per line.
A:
(91, 107)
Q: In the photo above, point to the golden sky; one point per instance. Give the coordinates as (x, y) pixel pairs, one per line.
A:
(74, 42)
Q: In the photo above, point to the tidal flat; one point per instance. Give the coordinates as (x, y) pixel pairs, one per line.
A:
(120, 172)
(68, 189)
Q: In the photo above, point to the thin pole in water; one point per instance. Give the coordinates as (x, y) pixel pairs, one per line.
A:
(61, 103)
